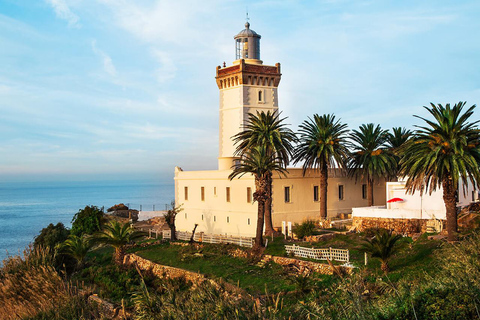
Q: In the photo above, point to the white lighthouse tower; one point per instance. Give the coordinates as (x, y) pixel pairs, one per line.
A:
(247, 86)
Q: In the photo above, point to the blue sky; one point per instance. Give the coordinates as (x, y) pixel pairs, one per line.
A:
(112, 89)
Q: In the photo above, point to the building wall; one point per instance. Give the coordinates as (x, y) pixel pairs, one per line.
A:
(302, 205)
(415, 206)
(215, 215)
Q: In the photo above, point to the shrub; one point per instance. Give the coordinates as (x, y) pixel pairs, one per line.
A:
(304, 229)
(51, 236)
(87, 220)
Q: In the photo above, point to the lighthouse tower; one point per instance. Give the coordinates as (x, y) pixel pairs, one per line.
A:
(247, 86)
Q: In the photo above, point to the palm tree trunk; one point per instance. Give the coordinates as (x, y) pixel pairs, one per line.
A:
(385, 267)
(260, 195)
(451, 207)
(323, 190)
(370, 192)
(268, 207)
(119, 254)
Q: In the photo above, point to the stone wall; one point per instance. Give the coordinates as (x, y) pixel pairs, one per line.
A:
(321, 268)
(401, 226)
(162, 271)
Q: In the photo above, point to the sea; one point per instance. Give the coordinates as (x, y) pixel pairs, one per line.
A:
(27, 207)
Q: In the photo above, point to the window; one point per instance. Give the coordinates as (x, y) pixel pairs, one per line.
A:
(228, 194)
(214, 191)
(186, 193)
(214, 218)
(202, 193)
(228, 219)
(248, 221)
(340, 192)
(364, 191)
(202, 217)
(249, 194)
(260, 96)
(185, 215)
(287, 194)
(315, 193)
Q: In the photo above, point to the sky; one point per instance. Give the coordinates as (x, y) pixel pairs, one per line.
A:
(115, 89)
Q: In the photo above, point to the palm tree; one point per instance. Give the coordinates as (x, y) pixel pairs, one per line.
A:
(117, 235)
(383, 245)
(266, 130)
(395, 140)
(370, 157)
(441, 154)
(261, 163)
(77, 247)
(322, 144)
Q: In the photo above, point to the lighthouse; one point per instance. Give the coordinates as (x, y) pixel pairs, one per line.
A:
(247, 86)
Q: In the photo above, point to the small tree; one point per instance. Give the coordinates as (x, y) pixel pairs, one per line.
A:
(87, 220)
(77, 248)
(170, 216)
(383, 245)
(117, 235)
(51, 236)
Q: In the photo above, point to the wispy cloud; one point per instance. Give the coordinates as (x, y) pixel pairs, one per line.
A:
(166, 69)
(108, 65)
(62, 10)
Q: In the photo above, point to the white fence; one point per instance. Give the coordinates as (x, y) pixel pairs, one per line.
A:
(319, 254)
(208, 238)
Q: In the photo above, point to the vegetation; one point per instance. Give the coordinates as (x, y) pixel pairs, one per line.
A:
(51, 236)
(305, 229)
(266, 131)
(322, 145)
(117, 235)
(77, 248)
(395, 140)
(370, 157)
(170, 217)
(383, 245)
(441, 153)
(87, 221)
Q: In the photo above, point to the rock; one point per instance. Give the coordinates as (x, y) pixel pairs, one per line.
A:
(415, 236)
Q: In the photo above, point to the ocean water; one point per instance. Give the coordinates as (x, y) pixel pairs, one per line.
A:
(27, 207)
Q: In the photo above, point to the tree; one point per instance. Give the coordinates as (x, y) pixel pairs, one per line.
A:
(370, 158)
(322, 145)
(441, 154)
(261, 163)
(87, 220)
(383, 245)
(269, 131)
(117, 235)
(395, 140)
(77, 247)
(51, 236)
(170, 216)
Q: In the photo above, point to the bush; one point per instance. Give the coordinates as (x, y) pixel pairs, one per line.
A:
(304, 229)
(87, 220)
(51, 236)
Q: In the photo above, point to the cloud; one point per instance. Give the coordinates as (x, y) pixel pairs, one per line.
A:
(62, 10)
(167, 68)
(108, 65)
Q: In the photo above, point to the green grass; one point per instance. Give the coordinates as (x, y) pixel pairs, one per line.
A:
(214, 261)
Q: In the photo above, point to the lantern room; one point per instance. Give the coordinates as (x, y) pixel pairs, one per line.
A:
(247, 44)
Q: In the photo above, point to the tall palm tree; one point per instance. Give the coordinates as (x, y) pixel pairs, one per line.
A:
(117, 235)
(395, 140)
(370, 157)
(383, 245)
(322, 145)
(441, 154)
(266, 130)
(261, 163)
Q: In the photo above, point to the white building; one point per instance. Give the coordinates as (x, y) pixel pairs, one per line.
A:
(221, 206)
